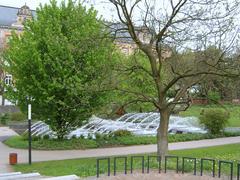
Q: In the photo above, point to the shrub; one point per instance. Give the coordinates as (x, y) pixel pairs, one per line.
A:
(46, 137)
(25, 137)
(82, 137)
(106, 137)
(18, 116)
(4, 119)
(89, 137)
(214, 120)
(35, 138)
(74, 137)
(98, 136)
(214, 96)
(121, 133)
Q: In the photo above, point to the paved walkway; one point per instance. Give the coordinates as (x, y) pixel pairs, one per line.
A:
(162, 176)
(72, 154)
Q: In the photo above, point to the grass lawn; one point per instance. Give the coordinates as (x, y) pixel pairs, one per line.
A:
(87, 166)
(234, 120)
(46, 144)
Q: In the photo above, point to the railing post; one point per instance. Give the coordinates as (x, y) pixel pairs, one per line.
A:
(195, 167)
(183, 164)
(148, 166)
(231, 168)
(108, 166)
(220, 162)
(98, 162)
(177, 165)
(125, 163)
(131, 165)
(114, 167)
(159, 163)
(165, 165)
(213, 166)
(115, 164)
(238, 171)
(97, 168)
(219, 169)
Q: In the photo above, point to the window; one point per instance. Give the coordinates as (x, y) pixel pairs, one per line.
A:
(8, 79)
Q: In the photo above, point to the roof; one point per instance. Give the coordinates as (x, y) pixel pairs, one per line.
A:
(8, 15)
(118, 31)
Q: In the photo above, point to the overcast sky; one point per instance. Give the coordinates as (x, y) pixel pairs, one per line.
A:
(18, 3)
(33, 4)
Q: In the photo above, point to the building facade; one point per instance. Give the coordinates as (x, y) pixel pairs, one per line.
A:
(11, 19)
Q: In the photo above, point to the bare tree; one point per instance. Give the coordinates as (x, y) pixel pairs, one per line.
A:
(178, 25)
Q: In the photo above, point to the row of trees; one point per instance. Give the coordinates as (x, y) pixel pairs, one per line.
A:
(67, 63)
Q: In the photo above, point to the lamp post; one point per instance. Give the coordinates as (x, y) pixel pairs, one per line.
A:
(29, 132)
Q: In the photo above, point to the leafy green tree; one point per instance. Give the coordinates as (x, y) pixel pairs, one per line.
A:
(62, 61)
(132, 83)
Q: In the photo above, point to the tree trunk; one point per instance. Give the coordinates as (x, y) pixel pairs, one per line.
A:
(60, 129)
(162, 133)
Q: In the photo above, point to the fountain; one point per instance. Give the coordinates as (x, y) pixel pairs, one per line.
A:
(41, 129)
(137, 123)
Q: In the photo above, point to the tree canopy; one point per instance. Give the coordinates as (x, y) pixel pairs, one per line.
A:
(62, 62)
